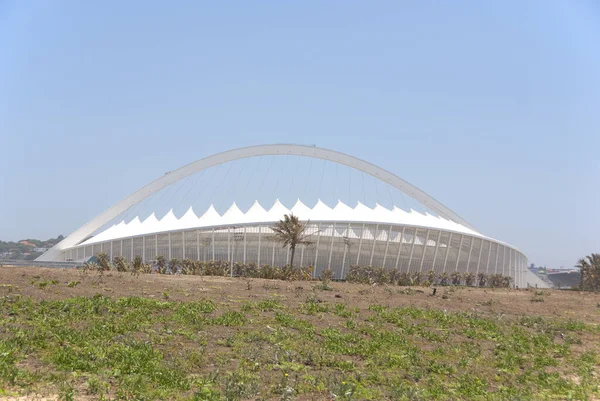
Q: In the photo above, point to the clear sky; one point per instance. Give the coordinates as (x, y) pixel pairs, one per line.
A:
(493, 108)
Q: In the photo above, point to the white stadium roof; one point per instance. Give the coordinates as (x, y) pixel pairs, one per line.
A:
(257, 214)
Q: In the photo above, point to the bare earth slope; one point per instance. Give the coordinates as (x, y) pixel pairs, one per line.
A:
(78, 335)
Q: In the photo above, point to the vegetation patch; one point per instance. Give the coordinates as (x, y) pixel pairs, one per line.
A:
(218, 339)
(138, 348)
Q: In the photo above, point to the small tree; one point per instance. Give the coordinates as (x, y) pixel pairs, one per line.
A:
(444, 279)
(291, 232)
(589, 270)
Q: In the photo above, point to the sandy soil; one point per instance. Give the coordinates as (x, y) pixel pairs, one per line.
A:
(508, 302)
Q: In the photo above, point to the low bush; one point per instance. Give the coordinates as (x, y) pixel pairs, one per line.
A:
(356, 274)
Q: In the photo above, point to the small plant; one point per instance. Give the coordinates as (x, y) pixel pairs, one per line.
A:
(44, 284)
(72, 284)
(146, 268)
(161, 264)
(416, 278)
(137, 266)
(469, 278)
(323, 286)
(313, 306)
(121, 264)
(174, 266)
(230, 318)
(456, 278)
(103, 261)
(403, 279)
(431, 277)
(327, 275)
(67, 392)
(379, 275)
(482, 279)
(268, 305)
(499, 281)
(187, 267)
(96, 386)
(269, 286)
(489, 302)
(165, 294)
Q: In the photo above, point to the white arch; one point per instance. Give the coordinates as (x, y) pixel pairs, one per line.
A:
(261, 150)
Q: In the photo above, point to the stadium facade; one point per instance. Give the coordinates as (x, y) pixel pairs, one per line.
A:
(340, 235)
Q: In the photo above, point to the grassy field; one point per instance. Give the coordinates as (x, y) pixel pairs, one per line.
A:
(68, 335)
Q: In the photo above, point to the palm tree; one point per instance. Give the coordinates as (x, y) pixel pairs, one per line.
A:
(589, 270)
(291, 232)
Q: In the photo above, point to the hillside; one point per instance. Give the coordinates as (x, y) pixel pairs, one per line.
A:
(91, 336)
(26, 249)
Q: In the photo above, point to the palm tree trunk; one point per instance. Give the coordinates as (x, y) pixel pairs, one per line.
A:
(292, 255)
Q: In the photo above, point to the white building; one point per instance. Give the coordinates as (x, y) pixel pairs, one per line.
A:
(341, 235)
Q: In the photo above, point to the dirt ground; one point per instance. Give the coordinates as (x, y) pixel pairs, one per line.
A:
(486, 301)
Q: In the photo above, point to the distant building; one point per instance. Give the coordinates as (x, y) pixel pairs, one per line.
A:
(27, 243)
(40, 249)
(565, 278)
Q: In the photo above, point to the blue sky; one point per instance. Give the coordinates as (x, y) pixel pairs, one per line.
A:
(490, 107)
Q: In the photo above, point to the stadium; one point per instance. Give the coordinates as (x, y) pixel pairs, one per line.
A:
(358, 214)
